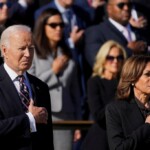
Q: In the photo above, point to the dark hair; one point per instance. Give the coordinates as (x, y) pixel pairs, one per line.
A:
(131, 72)
(43, 47)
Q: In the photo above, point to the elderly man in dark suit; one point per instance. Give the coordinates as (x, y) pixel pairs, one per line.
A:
(25, 110)
(115, 27)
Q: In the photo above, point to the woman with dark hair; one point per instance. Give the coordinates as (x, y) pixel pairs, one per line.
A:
(53, 64)
(128, 118)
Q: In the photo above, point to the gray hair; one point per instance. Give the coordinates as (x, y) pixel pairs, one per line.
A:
(12, 30)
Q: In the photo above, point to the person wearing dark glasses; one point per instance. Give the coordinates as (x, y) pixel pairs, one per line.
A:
(115, 27)
(76, 21)
(54, 65)
(102, 87)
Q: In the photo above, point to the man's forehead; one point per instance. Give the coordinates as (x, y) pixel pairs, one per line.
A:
(3, 1)
(114, 1)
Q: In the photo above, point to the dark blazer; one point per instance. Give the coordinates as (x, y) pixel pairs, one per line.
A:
(100, 93)
(126, 127)
(96, 14)
(97, 35)
(14, 124)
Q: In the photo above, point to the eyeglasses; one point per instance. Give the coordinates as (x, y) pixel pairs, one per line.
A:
(112, 58)
(122, 4)
(8, 4)
(54, 25)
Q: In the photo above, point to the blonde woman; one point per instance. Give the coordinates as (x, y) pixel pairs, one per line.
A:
(101, 90)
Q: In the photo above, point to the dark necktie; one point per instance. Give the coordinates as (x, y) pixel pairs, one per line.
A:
(68, 14)
(24, 92)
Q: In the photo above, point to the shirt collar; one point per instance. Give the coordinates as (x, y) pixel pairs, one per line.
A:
(60, 8)
(118, 25)
(12, 74)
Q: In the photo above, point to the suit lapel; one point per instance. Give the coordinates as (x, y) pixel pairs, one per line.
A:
(134, 115)
(9, 92)
(116, 31)
(34, 88)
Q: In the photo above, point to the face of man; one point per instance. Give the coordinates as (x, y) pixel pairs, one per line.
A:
(18, 54)
(66, 3)
(119, 10)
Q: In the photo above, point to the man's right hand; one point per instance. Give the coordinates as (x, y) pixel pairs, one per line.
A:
(39, 113)
(138, 47)
(76, 34)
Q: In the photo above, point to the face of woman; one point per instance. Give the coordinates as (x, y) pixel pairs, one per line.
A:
(143, 84)
(114, 61)
(54, 28)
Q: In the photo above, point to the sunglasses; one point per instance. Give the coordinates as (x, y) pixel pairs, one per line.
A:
(112, 58)
(55, 25)
(8, 4)
(122, 4)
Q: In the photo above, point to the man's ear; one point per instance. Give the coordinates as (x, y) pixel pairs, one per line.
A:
(4, 51)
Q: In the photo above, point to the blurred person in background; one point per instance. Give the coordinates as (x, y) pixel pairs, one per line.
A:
(4, 13)
(76, 21)
(53, 64)
(102, 87)
(115, 27)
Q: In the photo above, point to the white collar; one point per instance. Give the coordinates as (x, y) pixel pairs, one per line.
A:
(12, 74)
(118, 25)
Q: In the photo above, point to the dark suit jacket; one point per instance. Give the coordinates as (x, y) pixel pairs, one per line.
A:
(126, 127)
(97, 35)
(100, 93)
(96, 14)
(14, 124)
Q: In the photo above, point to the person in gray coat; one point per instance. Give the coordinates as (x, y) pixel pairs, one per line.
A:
(52, 63)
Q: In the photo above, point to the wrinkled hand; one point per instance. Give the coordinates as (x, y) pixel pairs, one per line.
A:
(39, 113)
(77, 135)
(76, 34)
(147, 119)
(59, 63)
(140, 23)
(138, 47)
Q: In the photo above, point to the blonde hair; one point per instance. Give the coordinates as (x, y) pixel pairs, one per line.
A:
(100, 58)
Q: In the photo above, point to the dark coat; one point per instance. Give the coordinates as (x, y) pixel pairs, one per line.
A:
(126, 127)
(96, 36)
(14, 124)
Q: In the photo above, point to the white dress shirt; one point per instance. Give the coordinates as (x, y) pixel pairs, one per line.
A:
(123, 30)
(12, 74)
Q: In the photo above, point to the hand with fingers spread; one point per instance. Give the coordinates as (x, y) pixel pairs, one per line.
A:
(76, 34)
(140, 23)
(40, 113)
